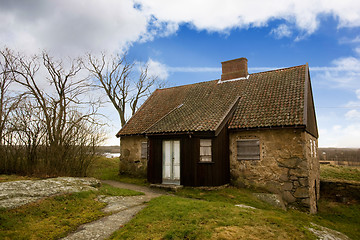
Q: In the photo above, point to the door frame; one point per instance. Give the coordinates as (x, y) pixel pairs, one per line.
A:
(172, 157)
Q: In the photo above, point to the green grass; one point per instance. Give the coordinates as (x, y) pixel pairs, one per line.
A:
(339, 173)
(191, 214)
(213, 215)
(10, 178)
(341, 217)
(108, 169)
(54, 217)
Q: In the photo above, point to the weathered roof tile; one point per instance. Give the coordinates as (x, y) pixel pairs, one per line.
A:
(267, 99)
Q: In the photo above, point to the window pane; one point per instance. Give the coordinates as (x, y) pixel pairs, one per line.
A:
(205, 159)
(205, 150)
(205, 142)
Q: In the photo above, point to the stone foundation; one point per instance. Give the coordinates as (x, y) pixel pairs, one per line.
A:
(287, 165)
(131, 162)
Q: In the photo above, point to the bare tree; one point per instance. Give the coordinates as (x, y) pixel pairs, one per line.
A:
(115, 76)
(66, 124)
(8, 101)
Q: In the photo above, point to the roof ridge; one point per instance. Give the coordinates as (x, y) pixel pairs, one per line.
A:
(191, 84)
(280, 69)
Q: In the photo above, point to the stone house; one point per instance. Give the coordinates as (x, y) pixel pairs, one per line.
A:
(250, 130)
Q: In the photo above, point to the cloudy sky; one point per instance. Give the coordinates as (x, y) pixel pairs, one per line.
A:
(185, 42)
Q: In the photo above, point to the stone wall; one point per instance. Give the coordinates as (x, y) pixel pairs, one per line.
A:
(314, 171)
(285, 166)
(130, 156)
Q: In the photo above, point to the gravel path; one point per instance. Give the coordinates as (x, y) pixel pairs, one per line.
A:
(123, 208)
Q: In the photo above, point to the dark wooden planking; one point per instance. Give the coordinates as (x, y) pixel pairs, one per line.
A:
(311, 125)
(154, 166)
(218, 171)
(192, 172)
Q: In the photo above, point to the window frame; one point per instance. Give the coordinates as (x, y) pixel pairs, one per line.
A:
(205, 156)
(144, 151)
(245, 157)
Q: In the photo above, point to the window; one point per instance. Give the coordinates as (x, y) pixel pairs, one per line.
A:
(312, 148)
(248, 149)
(144, 150)
(205, 150)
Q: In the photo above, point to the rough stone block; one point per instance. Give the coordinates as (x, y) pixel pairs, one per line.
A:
(303, 182)
(293, 178)
(301, 192)
(287, 186)
(288, 197)
(303, 165)
(273, 186)
(284, 177)
(288, 162)
(306, 201)
(298, 172)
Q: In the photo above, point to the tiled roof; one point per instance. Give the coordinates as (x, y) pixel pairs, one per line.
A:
(273, 98)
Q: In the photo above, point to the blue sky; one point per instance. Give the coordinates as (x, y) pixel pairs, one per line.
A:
(186, 41)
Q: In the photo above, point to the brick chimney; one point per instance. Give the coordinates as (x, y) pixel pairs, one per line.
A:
(236, 68)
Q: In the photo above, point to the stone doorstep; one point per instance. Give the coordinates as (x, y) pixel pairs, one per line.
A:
(168, 187)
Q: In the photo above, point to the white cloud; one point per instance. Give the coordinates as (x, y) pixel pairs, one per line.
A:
(157, 69)
(281, 31)
(348, 40)
(344, 73)
(357, 50)
(357, 93)
(341, 136)
(353, 115)
(221, 15)
(72, 27)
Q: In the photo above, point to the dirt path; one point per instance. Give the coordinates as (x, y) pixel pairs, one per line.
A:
(123, 209)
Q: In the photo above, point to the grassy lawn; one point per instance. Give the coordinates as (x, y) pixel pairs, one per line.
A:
(108, 169)
(340, 173)
(189, 214)
(213, 215)
(54, 217)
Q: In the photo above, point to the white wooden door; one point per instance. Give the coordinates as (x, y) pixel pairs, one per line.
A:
(171, 162)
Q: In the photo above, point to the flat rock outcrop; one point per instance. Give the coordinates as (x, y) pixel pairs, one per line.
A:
(18, 193)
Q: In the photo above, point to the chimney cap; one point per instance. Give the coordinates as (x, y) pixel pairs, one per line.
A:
(235, 60)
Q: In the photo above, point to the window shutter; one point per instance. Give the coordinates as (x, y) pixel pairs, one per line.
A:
(248, 150)
(144, 150)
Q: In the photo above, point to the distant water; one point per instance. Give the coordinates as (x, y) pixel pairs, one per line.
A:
(111, 155)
